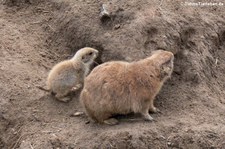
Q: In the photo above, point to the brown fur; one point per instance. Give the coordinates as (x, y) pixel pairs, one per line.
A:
(68, 76)
(120, 87)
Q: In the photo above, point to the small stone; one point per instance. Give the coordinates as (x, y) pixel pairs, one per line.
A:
(43, 54)
(87, 122)
(77, 114)
(117, 26)
(169, 143)
(162, 137)
(104, 13)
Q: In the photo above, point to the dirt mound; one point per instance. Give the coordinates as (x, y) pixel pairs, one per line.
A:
(37, 34)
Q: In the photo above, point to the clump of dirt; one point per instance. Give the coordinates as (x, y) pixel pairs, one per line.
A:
(35, 35)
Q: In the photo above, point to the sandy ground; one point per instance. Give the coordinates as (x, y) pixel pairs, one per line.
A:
(35, 35)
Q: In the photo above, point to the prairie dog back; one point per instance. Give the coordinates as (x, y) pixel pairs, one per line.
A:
(120, 87)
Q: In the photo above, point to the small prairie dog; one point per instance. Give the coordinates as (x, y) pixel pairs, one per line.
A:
(119, 87)
(68, 76)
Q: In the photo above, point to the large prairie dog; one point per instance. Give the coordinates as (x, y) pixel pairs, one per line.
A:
(119, 87)
(68, 75)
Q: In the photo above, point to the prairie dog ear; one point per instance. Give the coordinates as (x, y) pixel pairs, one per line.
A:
(85, 58)
(88, 58)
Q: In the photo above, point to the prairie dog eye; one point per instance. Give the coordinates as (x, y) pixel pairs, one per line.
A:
(83, 57)
(90, 53)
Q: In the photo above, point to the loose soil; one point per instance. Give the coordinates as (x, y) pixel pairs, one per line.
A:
(35, 35)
